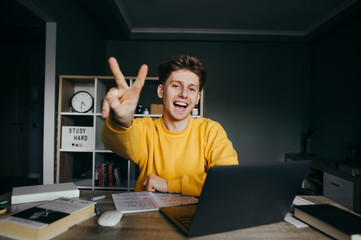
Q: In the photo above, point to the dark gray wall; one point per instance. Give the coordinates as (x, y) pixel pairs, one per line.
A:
(259, 92)
(80, 48)
(336, 89)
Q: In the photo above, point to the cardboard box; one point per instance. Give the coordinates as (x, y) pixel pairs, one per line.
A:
(156, 108)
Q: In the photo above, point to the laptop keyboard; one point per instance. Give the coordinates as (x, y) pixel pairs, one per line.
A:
(185, 221)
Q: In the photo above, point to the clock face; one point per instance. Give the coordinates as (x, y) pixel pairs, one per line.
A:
(81, 101)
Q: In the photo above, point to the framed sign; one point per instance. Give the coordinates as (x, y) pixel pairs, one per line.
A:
(77, 138)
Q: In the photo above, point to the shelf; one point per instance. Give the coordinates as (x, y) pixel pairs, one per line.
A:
(75, 150)
(313, 180)
(148, 115)
(102, 151)
(76, 114)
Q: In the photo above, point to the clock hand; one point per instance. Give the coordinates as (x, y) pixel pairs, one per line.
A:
(82, 103)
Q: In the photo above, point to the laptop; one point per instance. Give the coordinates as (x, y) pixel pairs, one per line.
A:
(240, 196)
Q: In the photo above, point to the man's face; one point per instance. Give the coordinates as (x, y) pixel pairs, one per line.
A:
(180, 94)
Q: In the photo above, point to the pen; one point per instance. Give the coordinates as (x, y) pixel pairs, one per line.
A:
(98, 198)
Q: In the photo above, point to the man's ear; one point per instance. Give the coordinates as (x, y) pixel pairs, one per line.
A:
(199, 97)
(160, 90)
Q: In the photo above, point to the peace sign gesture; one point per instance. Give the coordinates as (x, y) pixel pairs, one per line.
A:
(121, 101)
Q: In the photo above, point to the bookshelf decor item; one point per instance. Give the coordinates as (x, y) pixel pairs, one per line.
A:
(79, 138)
(82, 102)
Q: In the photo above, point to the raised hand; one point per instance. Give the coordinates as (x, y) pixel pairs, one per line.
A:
(121, 101)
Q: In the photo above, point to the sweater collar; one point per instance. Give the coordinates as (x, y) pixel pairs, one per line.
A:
(164, 129)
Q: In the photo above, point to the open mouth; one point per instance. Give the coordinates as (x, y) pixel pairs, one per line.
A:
(180, 104)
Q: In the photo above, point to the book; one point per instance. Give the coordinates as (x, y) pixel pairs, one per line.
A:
(297, 201)
(96, 176)
(104, 175)
(117, 176)
(46, 220)
(37, 193)
(331, 220)
(149, 201)
(100, 175)
(110, 175)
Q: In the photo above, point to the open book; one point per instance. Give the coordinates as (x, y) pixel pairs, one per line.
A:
(46, 220)
(148, 201)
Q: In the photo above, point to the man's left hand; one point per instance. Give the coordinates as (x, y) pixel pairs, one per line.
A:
(155, 183)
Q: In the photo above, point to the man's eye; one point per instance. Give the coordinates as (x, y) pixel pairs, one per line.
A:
(192, 89)
(176, 86)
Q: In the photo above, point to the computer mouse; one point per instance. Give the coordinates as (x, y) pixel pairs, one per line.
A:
(110, 218)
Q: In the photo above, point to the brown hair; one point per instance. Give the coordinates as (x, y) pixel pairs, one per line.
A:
(179, 62)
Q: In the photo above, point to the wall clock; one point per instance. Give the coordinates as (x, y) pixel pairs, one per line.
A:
(82, 102)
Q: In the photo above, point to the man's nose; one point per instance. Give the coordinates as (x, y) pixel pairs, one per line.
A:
(183, 92)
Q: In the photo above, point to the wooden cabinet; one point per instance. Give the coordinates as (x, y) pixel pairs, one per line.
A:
(338, 189)
(81, 154)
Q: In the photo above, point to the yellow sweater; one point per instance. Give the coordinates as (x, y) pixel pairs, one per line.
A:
(181, 158)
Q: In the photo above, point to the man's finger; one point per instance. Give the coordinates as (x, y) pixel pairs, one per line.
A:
(119, 77)
(142, 74)
(105, 109)
(145, 182)
(149, 187)
(110, 102)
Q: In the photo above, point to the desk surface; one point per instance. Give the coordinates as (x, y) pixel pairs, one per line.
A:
(153, 225)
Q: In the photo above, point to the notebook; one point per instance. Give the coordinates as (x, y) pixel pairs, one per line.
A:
(240, 196)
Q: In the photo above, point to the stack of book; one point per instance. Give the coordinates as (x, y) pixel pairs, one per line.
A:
(107, 175)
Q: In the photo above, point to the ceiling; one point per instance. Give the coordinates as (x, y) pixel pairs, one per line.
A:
(229, 20)
(19, 25)
(200, 20)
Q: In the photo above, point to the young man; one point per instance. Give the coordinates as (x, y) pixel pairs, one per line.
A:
(175, 151)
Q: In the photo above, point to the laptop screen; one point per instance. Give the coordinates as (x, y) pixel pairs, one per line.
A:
(240, 196)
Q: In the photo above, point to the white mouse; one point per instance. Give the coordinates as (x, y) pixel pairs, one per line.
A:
(110, 218)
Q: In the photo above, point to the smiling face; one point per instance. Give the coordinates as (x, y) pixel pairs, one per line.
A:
(180, 94)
